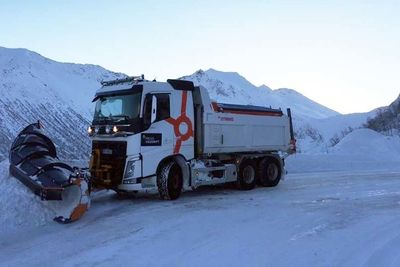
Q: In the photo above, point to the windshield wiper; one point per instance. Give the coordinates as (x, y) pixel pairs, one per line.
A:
(123, 117)
(101, 119)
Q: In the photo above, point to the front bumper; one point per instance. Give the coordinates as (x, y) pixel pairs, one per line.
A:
(139, 184)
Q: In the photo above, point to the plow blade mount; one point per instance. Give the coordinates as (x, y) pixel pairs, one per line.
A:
(34, 162)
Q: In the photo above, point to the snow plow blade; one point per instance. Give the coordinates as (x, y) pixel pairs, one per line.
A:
(34, 162)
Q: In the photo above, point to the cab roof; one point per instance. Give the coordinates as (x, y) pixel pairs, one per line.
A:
(135, 83)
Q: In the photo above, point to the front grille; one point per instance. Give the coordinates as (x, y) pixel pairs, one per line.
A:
(107, 164)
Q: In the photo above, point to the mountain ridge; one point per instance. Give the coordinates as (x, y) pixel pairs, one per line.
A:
(233, 88)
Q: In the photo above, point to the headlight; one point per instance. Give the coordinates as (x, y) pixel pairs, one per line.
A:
(115, 129)
(96, 129)
(130, 169)
(90, 130)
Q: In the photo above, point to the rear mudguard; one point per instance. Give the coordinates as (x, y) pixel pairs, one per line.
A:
(34, 162)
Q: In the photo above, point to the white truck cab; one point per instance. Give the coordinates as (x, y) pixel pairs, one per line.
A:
(169, 136)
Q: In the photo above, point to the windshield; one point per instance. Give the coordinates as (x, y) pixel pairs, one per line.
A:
(118, 108)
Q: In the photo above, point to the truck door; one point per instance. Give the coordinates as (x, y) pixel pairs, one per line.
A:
(157, 140)
(182, 121)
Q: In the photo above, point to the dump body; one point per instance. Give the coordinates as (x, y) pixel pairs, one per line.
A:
(234, 128)
(228, 133)
(226, 128)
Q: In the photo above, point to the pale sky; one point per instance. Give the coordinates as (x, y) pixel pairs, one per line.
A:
(342, 54)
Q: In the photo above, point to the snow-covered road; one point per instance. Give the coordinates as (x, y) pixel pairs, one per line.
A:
(318, 219)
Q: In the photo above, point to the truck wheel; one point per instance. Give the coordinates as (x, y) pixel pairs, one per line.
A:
(170, 181)
(269, 172)
(247, 175)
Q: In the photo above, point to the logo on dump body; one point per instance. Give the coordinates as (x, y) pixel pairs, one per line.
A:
(225, 118)
(182, 121)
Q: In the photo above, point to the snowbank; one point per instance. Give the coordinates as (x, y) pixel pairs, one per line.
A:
(366, 143)
(18, 206)
(361, 150)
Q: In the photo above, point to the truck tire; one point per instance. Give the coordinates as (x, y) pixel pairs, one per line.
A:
(269, 172)
(247, 175)
(170, 181)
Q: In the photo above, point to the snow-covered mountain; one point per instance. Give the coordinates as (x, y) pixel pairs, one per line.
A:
(33, 88)
(231, 87)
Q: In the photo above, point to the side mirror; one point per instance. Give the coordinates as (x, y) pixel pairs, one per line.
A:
(153, 109)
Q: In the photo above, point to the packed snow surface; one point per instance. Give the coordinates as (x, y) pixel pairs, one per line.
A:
(309, 220)
(347, 218)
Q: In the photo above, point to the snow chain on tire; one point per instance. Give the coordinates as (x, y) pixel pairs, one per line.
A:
(269, 172)
(246, 168)
(166, 187)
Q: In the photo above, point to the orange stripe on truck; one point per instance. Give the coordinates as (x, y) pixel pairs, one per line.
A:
(181, 119)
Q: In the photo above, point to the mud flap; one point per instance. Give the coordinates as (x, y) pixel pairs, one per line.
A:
(34, 162)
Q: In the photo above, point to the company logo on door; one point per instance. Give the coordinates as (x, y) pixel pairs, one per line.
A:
(151, 139)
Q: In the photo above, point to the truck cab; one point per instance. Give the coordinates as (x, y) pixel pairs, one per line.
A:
(137, 124)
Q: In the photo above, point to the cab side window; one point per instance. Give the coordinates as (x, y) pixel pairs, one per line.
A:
(163, 107)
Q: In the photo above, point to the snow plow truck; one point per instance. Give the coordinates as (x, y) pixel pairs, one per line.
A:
(157, 136)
